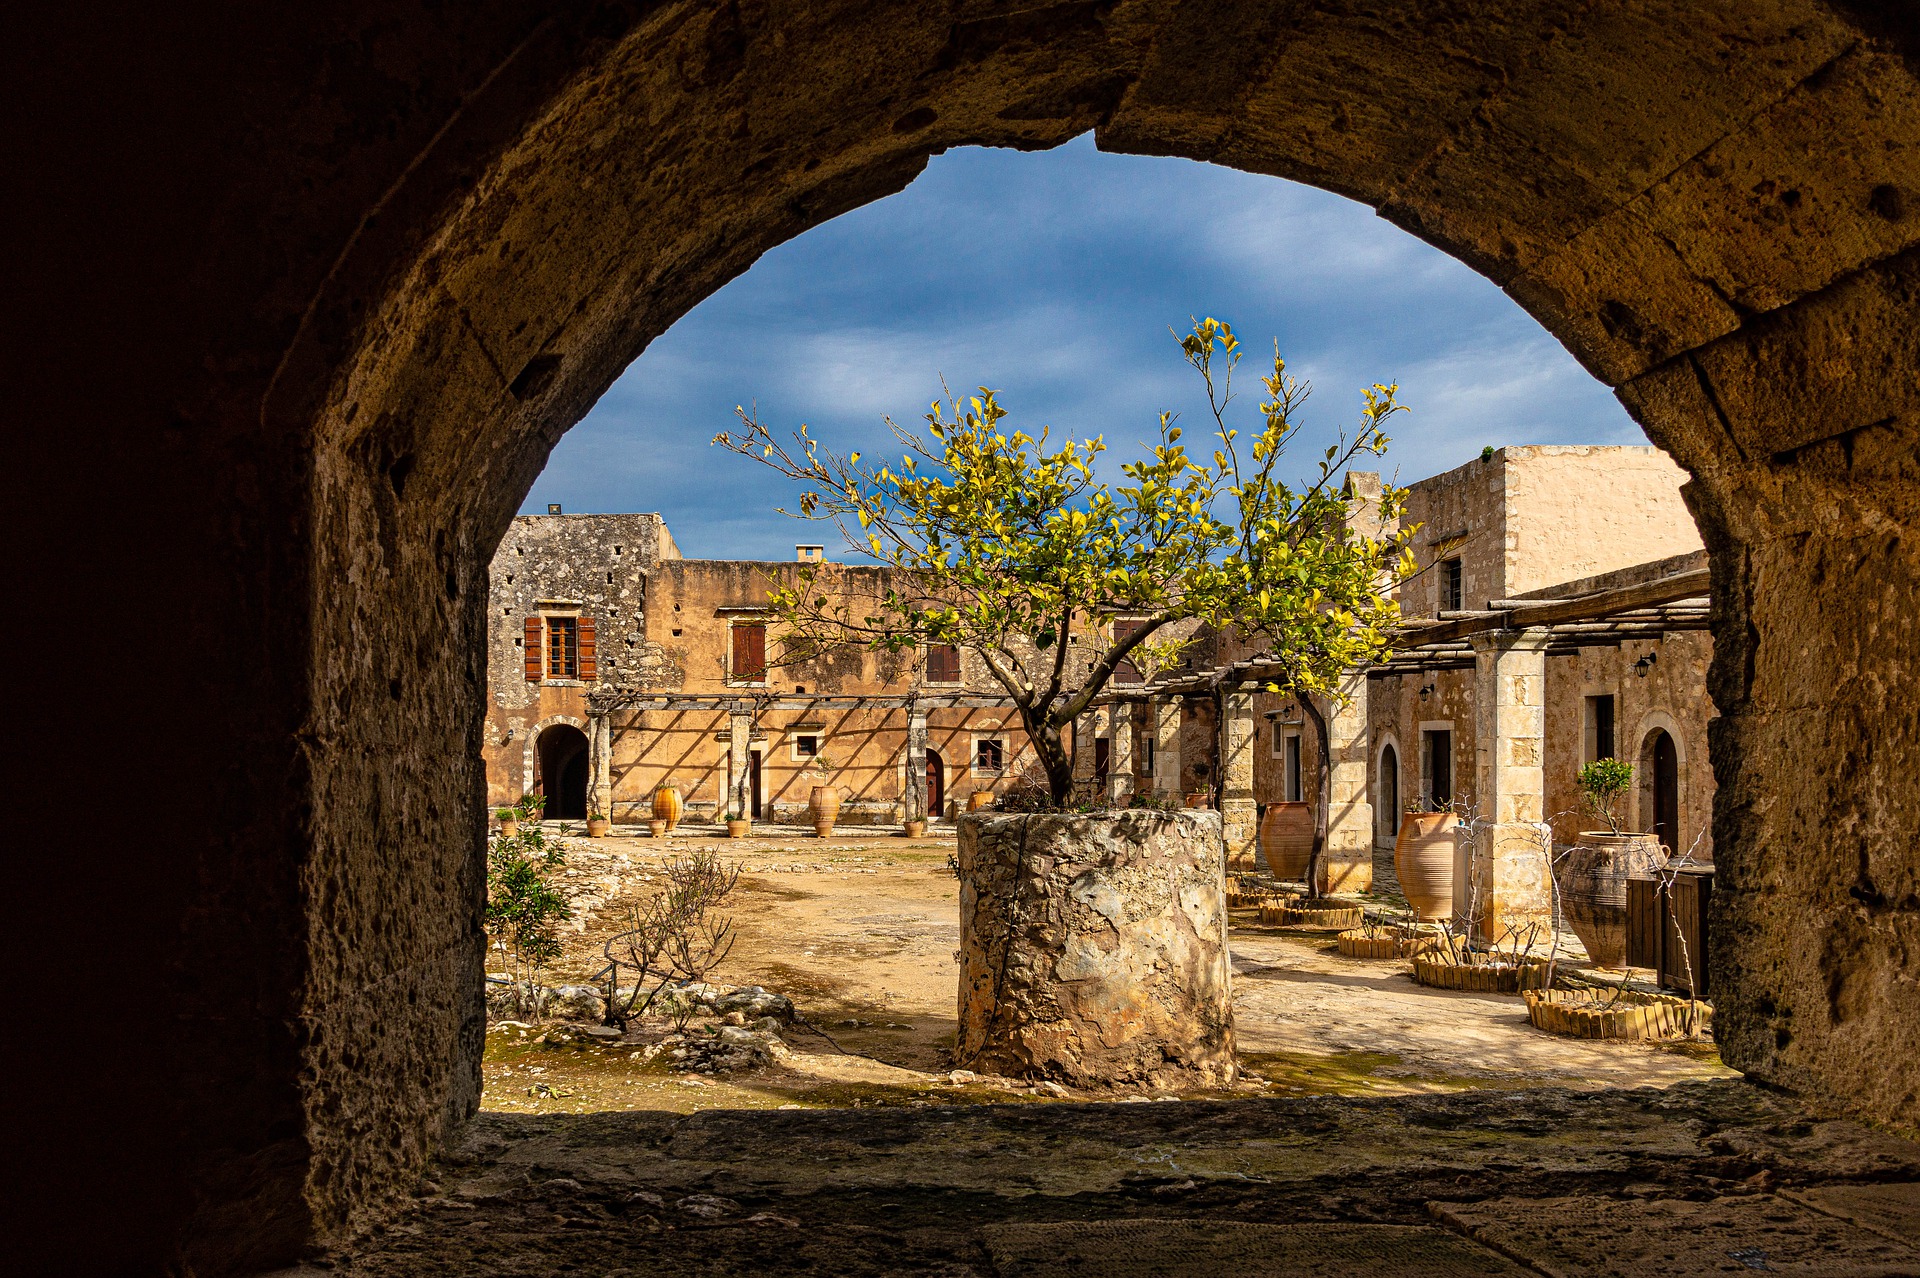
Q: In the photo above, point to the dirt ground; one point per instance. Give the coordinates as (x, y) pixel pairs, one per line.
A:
(860, 930)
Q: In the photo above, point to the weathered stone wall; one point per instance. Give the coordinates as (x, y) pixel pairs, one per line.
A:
(1572, 511)
(327, 311)
(1094, 949)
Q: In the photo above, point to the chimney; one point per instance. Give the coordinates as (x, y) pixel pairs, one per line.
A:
(810, 554)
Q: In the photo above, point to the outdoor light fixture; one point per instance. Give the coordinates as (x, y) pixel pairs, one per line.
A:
(1645, 664)
(1426, 690)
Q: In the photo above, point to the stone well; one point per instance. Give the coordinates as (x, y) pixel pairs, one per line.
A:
(1094, 949)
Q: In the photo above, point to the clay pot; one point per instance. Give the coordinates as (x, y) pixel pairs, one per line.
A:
(738, 829)
(1286, 840)
(1199, 799)
(824, 804)
(916, 829)
(1423, 862)
(657, 828)
(509, 829)
(979, 799)
(667, 805)
(597, 827)
(1593, 889)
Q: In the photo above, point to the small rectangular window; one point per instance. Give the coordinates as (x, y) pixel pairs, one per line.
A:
(1599, 728)
(749, 652)
(1452, 586)
(563, 648)
(1292, 768)
(943, 663)
(987, 756)
(806, 747)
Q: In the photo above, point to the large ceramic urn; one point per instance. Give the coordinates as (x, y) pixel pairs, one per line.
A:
(1593, 878)
(824, 805)
(1423, 862)
(1286, 840)
(667, 805)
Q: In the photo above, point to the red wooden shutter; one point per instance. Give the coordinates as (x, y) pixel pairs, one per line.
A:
(533, 657)
(1126, 671)
(943, 662)
(589, 664)
(749, 652)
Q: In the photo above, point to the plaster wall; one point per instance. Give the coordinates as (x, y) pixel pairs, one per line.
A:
(1572, 511)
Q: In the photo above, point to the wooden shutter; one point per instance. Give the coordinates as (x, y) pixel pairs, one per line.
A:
(943, 663)
(589, 663)
(749, 652)
(1126, 671)
(534, 654)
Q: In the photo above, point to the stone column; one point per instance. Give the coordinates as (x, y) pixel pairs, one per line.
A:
(600, 764)
(739, 770)
(1086, 730)
(1166, 747)
(1349, 859)
(1239, 814)
(913, 801)
(1508, 879)
(1094, 949)
(1120, 753)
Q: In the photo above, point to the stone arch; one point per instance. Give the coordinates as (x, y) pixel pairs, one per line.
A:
(528, 751)
(1652, 722)
(412, 248)
(1387, 820)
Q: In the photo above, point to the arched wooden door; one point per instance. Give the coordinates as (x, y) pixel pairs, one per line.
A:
(936, 785)
(1666, 791)
(1389, 791)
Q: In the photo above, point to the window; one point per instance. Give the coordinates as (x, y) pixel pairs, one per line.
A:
(1127, 671)
(1599, 728)
(943, 663)
(988, 756)
(1290, 768)
(1452, 585)
(559, 648)
(806, 747)
(749, 652)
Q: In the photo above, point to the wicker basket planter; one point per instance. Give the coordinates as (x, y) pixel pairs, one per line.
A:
(1442, 972)
(1312, 914)
(1255, 898)
(1388, 944)
(1603, 1014)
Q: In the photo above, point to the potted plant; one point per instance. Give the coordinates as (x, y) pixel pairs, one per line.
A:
(598, 825)
(824, 802)
(509, 819)
(1423, 861)
(738, 825)
(979, 799)
(1593, 873)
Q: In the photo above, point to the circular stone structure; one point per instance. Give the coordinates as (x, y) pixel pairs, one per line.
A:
(1094, 949)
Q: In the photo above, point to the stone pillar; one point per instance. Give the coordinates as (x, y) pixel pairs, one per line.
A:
(1086, 730)
(1239, 814)
(600, 764)
(739, 764)
(1349, 858)
(1507, 882)
(1094, 949)
(1120, 753)
(913, 801)
(1166, 747)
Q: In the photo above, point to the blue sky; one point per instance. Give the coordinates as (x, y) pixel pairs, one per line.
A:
(1055, 277)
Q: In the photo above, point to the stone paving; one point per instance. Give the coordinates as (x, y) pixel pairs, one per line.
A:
(1715, 1177)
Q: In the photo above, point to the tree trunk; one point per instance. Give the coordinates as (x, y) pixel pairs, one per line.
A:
(1324, 785)
(1045, 736)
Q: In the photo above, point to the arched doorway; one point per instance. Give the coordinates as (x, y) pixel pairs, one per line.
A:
(936, 785)
(561, 771)
(1388, 811)
(1660, 788)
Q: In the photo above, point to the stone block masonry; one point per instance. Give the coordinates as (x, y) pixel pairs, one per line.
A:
(1094, 949)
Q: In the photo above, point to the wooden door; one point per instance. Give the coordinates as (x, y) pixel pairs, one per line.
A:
(936, 785)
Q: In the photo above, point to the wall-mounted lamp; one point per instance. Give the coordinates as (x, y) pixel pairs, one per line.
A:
(1645, 664)
(1427, 690)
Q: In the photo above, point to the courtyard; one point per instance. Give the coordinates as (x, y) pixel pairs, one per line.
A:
(859, 931)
